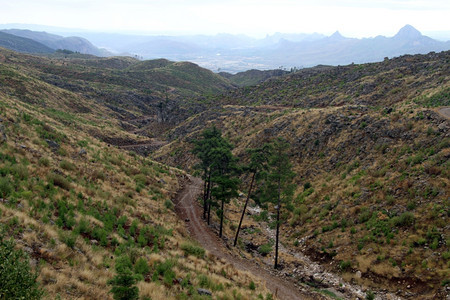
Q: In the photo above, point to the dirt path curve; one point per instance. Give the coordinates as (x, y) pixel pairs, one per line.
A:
(188, 210)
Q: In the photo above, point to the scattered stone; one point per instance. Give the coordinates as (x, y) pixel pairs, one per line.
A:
(3, 137)
(204, 292)
(443, 127)
(358, 274)
(162, 181)
(52, 144)
(82, 152)
(94, 242)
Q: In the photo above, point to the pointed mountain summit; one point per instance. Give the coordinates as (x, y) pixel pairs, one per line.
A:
(408, 32)
(337, 36)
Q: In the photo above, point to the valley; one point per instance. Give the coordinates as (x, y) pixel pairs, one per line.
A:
(97, 164)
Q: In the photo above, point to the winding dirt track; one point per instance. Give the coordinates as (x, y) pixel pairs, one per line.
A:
(188, 210)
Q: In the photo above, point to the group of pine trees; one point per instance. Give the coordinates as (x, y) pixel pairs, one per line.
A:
(268, 168)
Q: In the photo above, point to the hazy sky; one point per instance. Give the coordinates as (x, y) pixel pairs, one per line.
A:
(353, 18)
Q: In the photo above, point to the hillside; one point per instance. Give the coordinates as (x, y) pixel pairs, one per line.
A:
(371, 154)
(55, 42)
(369, 144)
(23, 45)
(160, 90)
(78, 206)
(252, 77)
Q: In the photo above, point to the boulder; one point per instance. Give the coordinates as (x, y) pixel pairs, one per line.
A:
(204, 292)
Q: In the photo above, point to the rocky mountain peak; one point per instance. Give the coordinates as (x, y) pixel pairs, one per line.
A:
(408, 32)
(337, 36)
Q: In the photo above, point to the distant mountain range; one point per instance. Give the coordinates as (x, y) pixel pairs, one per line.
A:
(237, 53)
(54, 42)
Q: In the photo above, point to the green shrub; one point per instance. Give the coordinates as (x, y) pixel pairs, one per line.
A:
(370, 295)
(5, 187)
(168, 204)
(59, 180)
(406, 219)
(204, 281)
(265, 249)
(82, 143)
(44, 161)
(69, 239)
(19, 171)
(141, 267)
(190, 249)
(345, 265)
(67, 165)
(17, 280)
(365, 215)
(165, 269)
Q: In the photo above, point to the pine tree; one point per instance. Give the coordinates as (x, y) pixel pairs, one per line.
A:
(224, 171)
(211, 138)
(258, 164)
(124, 282)
(278, 188)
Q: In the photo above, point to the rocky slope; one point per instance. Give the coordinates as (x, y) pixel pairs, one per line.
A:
(371, 153)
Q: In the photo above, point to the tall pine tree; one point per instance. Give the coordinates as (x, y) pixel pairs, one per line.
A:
(224, 177)
(278, 187)
(211, 138)
(257, 165)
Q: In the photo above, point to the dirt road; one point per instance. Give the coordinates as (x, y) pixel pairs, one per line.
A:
(189, 210)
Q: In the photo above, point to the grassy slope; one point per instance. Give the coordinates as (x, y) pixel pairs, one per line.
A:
(75, 211)
(369, 141)
(127, 87)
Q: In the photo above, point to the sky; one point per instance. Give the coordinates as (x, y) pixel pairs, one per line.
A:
(353, 18)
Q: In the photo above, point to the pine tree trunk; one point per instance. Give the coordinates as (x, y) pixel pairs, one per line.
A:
(243, 211)
(205, 195)
(278, 224)
(208, 193)
(209, 208)
(221, 217)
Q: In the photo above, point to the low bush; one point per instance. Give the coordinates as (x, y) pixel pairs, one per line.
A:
(190, 249)
(67, 165)
(59, 180)
(265, 249)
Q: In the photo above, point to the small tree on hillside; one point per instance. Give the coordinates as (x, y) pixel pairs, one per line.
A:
(17, 281)
(258, 164)
(278, 188)
(124, 282)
